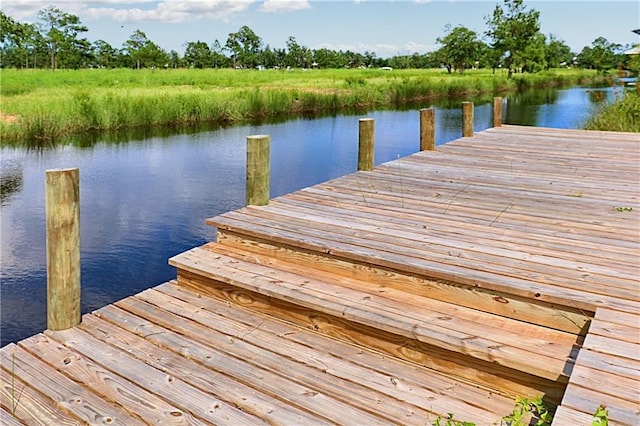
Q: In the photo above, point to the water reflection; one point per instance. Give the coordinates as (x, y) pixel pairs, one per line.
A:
(10, 179)
(145, 193)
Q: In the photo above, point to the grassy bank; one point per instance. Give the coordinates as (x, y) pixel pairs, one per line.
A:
(44, 105)
(621, 115)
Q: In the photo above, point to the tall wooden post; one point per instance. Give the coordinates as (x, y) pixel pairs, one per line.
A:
(497, 111)
(258, 169)
(467, 119)
(62, 195)
(427, 129)
(365, 144)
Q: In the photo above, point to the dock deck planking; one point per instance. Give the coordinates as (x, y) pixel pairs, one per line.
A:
(523, 225)
(173, 356)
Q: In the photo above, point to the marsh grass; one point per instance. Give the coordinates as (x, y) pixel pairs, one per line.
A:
(621, 115)
(66, 102)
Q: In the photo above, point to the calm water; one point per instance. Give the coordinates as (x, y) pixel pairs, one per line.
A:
(145, 200)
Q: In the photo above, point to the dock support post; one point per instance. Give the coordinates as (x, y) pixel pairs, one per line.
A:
(427, 129)
(365, 144)
(497, 111)
(467, 119)
(258, 169)
(62, 195)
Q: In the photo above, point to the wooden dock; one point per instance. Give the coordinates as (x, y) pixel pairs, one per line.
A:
(450, 281)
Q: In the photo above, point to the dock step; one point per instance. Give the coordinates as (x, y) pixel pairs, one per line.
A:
(194, 359)
(484, 348)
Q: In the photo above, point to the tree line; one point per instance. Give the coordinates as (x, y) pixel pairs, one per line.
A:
(512, 41)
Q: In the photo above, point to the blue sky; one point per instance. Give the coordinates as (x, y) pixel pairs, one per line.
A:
(386, 27)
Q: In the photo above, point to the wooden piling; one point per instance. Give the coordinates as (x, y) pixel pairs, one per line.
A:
(366, 144)
(497, 111)
(258, 169)
(467, 119)
(427, 129)
(62, 195)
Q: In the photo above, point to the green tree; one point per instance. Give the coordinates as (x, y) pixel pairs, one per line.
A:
(217, 57)
(198, 54)
(511, 29)
(297, 55)
(61, 32)
(600, 56)
(244, 46)
(145, 53)
(460, 49)
(534, 55)
(557, 53)
(106, 55)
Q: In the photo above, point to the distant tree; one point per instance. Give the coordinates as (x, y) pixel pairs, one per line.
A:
(105, 55)
(460, 49)
(145, 53)
(14, 42)
(217, 57)
(174, 59)
(61, 32)
(135, 45)
(244, 46)
(268, 58)
(557, 53)
(326, 58)
(198, 54)
(297, 55)
(511, 29)
(600, 56)
(534, 55)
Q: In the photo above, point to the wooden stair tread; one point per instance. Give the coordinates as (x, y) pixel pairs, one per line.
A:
(195, 359)
(607, 369)
(477, 334)
(358, 246)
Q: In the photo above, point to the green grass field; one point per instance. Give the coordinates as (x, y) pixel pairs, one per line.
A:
(45, 105)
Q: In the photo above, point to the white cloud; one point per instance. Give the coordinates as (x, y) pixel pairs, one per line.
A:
(133, 10)
(382, 50)
(284, 5)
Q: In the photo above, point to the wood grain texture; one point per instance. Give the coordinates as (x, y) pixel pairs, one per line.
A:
(62, 190)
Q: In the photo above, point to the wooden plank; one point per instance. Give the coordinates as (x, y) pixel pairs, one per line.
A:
(340, 379)
(336, 302)
(8, 419)
(620, 411)
(422, 384)
(241, 395)
(402, 304)
(624, 367)
(611, 346)
(161, 383)
(560, 318)
(310, 398)
(476, 249)
(631, 319)
(25, 405)
(349, 248)
(108, 384)
(627, 333)
(567, 416)
(489, 375)
(444, 226)
(66, 394)
(606, 383)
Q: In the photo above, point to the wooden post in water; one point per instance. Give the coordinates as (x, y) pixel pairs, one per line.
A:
(258, 169)
(427, 129)
(497, 111)
(467, 119)
(365, 144)
(62, 194)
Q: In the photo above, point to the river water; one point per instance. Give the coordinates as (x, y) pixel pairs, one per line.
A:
(145, 199)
